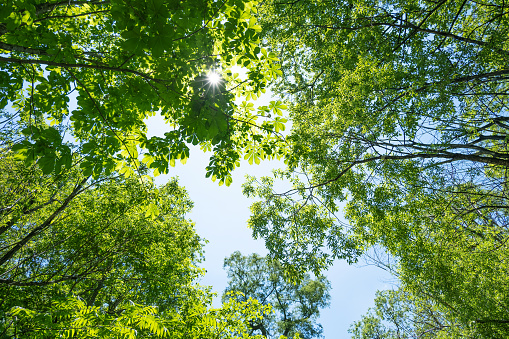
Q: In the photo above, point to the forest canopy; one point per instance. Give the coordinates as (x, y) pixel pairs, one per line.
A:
(398, 153)
(83, 76)
(399, 110)
(111, 257)
(89, 246)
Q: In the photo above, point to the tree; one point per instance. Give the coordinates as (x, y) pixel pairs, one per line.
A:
(402, 97)
(296, 306)
(84, 76)
(401, 315)
(93, 237)
(108, 257)
(399, 110)
(454, 257)
(91, 258)
(86, 249)
(67, 235)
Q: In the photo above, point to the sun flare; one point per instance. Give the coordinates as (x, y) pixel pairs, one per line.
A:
(213, 78)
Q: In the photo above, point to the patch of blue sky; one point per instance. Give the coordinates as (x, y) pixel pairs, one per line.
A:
(221, 215)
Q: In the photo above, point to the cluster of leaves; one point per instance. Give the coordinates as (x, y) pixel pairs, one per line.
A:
(85, 75)
(399, 111)
(72, 318)
(296, 306)
(66, 229)
(69, 235)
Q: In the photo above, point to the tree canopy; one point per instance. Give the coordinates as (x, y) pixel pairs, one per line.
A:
(398, 107)
(110, 257)
(87, 258)
(398, 314)
(399, 110)
(86, 248)
(83, 76)
(296, 306)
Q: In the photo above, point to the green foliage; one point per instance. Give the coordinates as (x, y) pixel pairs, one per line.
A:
(85, 76)
(399, 112)
(72, 318)
(455, 256)
(105, 258)
(296, 307)
(398, 314)
(68, 235)
(295, 226)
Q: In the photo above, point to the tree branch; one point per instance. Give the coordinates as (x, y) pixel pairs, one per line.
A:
(67, 65)
(7, 256)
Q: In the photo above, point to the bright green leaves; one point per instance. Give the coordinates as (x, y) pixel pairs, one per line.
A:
(72, 317)
(121, 235)
(295, 227)
(380, 111)
(396, 111)
(279, 124)
(222, 164)
(277, 107)
(48, 150)
(253, 154)
(258, 147)
(152, 211)
(233, 318)
(399, 313)
(117, 63)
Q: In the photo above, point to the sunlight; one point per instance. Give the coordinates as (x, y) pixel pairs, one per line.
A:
(214, 78)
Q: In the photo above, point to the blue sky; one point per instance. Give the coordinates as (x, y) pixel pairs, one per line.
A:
(221, 215)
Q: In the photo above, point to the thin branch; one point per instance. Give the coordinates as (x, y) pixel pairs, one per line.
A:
(7, 256)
